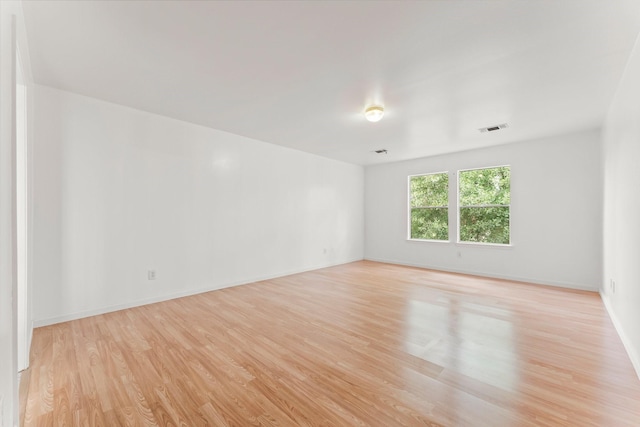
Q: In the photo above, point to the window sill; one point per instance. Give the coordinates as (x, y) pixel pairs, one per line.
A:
(493, 245)
(428, 241)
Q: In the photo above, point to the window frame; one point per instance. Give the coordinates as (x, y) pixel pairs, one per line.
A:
(447, 206)
(459, 206)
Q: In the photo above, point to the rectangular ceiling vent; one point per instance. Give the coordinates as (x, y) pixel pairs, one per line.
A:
(493, 128)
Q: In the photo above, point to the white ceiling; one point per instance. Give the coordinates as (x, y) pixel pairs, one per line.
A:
(299, 74)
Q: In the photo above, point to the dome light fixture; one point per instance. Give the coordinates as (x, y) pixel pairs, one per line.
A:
(374, 113)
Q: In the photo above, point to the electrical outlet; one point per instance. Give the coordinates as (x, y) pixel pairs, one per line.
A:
(151, 275)
(612, 286)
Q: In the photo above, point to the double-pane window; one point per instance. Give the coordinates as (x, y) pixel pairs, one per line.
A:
(429, 205)
(484, 203)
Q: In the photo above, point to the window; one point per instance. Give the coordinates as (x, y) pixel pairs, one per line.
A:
(429, 206)
(484, 199)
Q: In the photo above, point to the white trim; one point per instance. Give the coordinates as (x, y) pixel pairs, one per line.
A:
(22, 184)
(487, 206)
(102, 310)
(428, 173)
(507, 165)
(626, 342)
(553, 283)
(15, 410)
(495, 245)
(428, 240)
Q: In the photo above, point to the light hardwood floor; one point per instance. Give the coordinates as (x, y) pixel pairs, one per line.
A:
(362, 344)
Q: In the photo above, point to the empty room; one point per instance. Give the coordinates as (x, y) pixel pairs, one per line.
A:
(320, 213)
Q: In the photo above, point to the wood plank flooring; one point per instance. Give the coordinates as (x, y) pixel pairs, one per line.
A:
(362, 344)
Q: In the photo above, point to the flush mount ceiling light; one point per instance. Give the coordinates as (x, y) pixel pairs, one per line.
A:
(374, 113)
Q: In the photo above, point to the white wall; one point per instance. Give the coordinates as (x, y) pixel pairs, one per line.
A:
(556, 213)
(8, 360)
(119, 191)
(12, 37)
(621, 137)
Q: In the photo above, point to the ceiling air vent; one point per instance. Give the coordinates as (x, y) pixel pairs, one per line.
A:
(381, 151)
(493, 128)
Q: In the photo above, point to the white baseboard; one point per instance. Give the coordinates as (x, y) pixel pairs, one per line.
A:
(556, 284)
(166, 297)
(628, 345)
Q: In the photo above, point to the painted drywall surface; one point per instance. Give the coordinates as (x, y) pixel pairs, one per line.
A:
(8, 361)
(12, 36)
(556, 213)
(621, 144)
(120, 191)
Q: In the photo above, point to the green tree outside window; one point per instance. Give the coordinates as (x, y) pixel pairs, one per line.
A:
(484, 204)
(429, 205)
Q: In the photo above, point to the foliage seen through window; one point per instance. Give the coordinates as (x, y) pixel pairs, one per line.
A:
(484, 203)
(429, 201)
